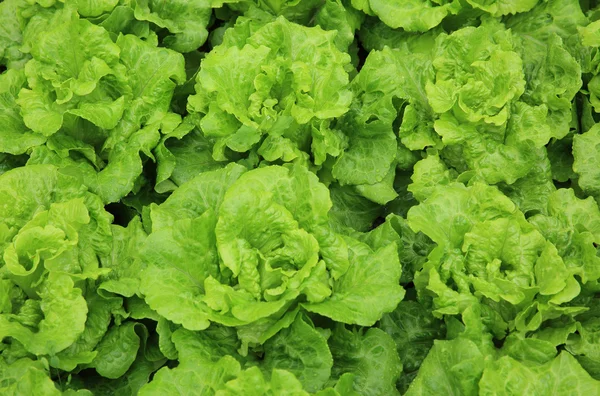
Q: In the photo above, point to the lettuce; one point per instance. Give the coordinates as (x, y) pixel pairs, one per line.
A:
(303, 197)
(272, 109)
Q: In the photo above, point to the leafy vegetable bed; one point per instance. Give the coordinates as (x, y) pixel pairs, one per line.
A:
(330, 197)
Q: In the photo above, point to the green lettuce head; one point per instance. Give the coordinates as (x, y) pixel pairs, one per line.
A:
(52, 231)
(516, 273)
(270, 88)
(248, 249)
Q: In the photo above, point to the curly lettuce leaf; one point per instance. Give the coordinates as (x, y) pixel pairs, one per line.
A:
(187, 21)
(374, 141)
(26, 376)
(587, 160)
(503, 7)
(181, 155)
(82, 351)
(413, 15)
(15, 137)
(366, 359)
(573, 226)
(339, 16)
(301, 350)
(414, 330)
(117, 350)
(515, 378)
(372, 280)
(11, 34)
(447, 357)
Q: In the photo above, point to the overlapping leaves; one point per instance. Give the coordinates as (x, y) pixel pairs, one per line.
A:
(338, 197)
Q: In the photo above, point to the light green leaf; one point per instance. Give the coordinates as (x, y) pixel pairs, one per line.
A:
(414, 330)
(173, 282)
(562, 375)
(201, 369)
(371, 151)
(26, 376)
(15, 137)
(187, 21)
(302, 351)
(367, 290)
(503, 7)
(11, 33)
(93, 8)
(412, 15)
(586, 152)
(64, 311)
(100, 310)
(118, 349)
(436, 374)
(195, 197)
(370, 356)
